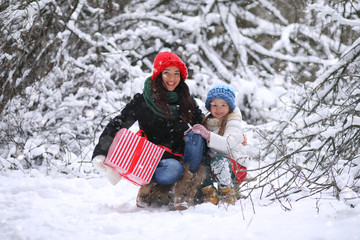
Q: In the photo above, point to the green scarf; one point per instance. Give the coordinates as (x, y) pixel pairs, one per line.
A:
(173, 99)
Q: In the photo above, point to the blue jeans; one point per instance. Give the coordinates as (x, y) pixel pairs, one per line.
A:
(194, 148)
(170, 170)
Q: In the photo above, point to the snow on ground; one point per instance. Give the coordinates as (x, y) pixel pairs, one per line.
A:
(34, 206)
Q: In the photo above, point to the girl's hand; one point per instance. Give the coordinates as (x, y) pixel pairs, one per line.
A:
(187, 131)
(245, 140)
(200, 129)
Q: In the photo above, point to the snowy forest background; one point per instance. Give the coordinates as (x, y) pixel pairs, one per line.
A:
(67, 67)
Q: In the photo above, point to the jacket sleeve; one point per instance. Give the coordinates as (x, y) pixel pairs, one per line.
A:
(126, 119)
(232, 138)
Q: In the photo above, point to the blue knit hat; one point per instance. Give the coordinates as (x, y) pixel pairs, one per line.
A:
(223, 92)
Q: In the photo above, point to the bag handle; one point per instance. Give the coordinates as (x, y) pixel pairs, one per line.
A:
(169, 151)
(141, 133)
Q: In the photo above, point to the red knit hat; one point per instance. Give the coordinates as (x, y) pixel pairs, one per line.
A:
(168, 59)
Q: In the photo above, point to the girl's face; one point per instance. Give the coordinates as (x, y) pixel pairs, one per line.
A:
(219, 108)
(171, 78)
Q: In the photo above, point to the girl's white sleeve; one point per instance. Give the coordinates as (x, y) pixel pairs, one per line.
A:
(233, 136)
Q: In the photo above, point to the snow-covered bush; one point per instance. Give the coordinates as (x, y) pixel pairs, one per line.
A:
(317, 146)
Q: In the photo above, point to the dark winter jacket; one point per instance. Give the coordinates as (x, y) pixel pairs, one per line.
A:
(158, 130)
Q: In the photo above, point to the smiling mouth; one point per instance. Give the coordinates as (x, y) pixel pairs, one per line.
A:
(170, 83)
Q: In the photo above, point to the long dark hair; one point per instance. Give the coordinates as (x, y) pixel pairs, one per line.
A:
(185, 101)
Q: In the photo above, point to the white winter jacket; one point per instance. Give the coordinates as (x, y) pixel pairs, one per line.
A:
(230, 144)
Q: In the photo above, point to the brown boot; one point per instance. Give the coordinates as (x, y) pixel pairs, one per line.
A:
(210, 195)
(153, 193)
(228, 195)
(186, 188)
(143, 198)
(179, 193)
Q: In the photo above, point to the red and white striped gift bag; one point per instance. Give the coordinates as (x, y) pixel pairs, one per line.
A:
(133, 156)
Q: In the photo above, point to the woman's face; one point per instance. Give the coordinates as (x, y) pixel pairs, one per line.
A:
(219, 108)
(171, 78)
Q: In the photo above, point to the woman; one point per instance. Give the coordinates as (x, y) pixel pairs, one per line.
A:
(164, 112)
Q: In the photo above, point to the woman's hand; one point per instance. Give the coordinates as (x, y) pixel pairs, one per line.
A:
(99, 165)
(113, 176)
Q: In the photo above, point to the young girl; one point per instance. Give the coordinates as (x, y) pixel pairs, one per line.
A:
(222, 130)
